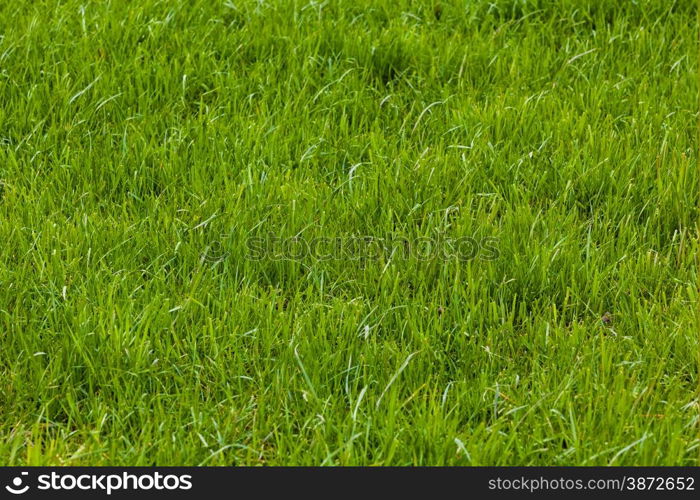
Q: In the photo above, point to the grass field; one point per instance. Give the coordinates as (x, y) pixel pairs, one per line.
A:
(166, 168)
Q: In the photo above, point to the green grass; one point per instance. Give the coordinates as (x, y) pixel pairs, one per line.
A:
(143, 144)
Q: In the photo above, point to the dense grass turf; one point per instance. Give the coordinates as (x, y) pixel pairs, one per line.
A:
(144, 144)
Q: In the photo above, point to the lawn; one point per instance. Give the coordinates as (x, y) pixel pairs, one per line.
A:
(349, 232)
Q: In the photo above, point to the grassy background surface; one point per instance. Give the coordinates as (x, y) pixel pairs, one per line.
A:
(139, 139)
